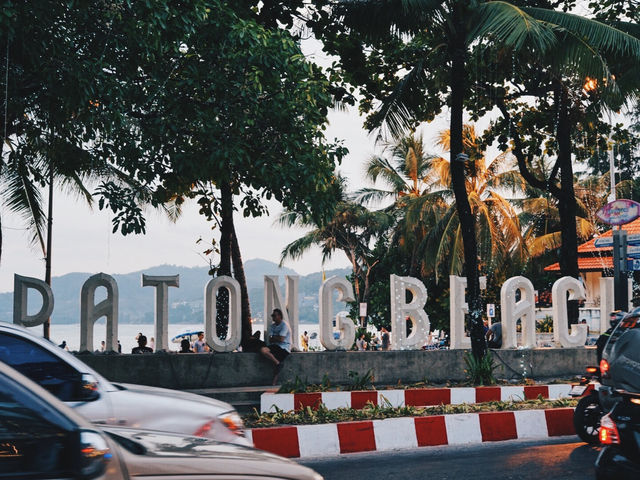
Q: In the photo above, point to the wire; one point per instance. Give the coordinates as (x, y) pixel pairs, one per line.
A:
(6, 93)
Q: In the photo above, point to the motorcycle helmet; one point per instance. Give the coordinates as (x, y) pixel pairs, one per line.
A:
(615, 317)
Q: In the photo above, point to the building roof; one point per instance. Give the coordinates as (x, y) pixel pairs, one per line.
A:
(588, 264)
(589, 247)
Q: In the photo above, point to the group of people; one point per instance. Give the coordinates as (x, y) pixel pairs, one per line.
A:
(199, 346)
(383, 342)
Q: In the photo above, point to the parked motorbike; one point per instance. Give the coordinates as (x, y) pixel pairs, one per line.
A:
(589, 411)
(620, 436)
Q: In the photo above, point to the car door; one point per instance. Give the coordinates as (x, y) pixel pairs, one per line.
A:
(34, 440)
(53, 374)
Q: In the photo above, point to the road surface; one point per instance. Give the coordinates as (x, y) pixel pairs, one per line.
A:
(563, 458)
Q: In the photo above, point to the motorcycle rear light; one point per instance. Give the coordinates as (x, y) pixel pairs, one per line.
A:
(592, 369)
(636, 401)
(608, 431)
(604, 368)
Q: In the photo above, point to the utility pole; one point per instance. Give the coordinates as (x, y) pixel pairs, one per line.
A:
(47, 272)
(620, 278)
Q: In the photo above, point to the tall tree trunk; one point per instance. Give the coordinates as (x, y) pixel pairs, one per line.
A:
(226, 233)
(567, 208)
(466, 218)
(238, 273)
(46, 333)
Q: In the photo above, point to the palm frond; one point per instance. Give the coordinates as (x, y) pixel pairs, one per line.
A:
(512, 26)
(21, 195)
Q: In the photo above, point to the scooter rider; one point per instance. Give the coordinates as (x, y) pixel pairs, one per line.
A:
(614, 319)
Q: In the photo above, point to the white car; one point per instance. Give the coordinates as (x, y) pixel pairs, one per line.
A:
(43, 438)
(106, 403)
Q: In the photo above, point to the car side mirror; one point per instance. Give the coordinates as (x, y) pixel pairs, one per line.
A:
(94, 455)
(88, 390)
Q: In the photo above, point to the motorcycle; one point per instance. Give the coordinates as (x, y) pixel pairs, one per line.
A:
(597, 398)
(589, 411)
(619, 434)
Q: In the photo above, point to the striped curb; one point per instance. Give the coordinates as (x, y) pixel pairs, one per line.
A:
(332, 439)
(418, 397)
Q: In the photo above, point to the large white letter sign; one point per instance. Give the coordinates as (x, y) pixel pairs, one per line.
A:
(458, 308)
(346, 325)
(21, 286)
(90, 312)
(512, 310)
(606, 302)
(414, 310)
(289, 307)
(234, 333)
(162, 284)
(559, 291)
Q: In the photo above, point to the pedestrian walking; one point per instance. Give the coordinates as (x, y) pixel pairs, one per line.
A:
(200, 346)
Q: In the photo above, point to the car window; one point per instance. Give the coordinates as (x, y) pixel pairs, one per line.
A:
(40, 365)
(33, 440)
(628, 323)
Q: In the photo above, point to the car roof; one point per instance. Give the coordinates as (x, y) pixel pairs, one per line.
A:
(38, 391)
(71, 359)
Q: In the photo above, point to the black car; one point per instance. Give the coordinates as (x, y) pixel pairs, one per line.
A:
(620, 435)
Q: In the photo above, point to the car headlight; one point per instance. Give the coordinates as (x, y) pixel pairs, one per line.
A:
(233, 422)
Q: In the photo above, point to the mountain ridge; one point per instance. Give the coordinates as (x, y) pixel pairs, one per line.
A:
(136, 304)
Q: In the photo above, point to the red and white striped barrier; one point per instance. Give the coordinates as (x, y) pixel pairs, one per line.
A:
(418, 397)
(412, 432)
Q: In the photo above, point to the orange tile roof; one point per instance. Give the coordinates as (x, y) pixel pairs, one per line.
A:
(589, 247)
(592, 264)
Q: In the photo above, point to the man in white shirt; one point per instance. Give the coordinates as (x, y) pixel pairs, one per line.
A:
(279, 342)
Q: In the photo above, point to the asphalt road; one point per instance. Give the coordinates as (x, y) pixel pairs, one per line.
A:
(563, 458)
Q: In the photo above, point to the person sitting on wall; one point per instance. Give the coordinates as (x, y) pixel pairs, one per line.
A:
(279, 343)
(494, 335)
(185, 346)
(142, 346)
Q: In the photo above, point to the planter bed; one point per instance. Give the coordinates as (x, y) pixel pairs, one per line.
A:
(407, 432)
(416, 397)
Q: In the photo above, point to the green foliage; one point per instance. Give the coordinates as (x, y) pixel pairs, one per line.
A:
(359, 381)
(322, 414)
(545, 325)
(480, 372)
(298, 385)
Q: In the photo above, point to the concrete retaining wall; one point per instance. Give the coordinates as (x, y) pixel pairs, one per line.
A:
(195, 371)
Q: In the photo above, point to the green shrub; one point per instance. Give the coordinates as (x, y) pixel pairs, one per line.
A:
(480, 372)
(360, 382)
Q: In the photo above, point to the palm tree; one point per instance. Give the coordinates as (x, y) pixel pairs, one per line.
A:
(498, 227)
(452, 27)
(541, 220)
(352, 229)
(407, 176)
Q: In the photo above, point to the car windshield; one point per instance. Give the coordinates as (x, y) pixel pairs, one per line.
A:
(39, 365)
(627, 323)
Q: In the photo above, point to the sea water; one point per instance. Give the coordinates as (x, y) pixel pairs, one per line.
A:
(127, 334)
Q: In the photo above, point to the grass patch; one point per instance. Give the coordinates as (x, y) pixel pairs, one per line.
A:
(310, 416)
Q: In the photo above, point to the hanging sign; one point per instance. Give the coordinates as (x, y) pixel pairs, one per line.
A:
(619, 212)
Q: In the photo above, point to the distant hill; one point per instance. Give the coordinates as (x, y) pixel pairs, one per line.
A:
(185, 303)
